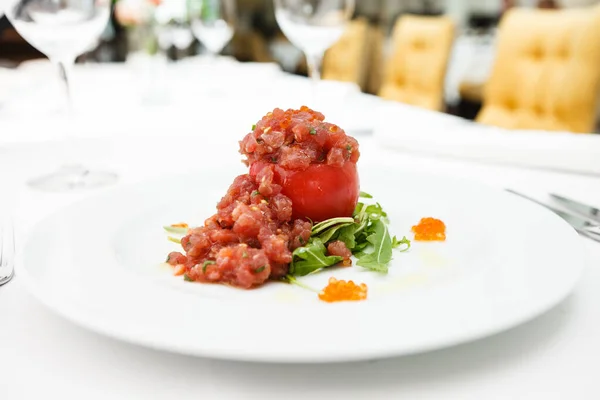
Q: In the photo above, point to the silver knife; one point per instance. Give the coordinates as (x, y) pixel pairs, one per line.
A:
(578, 207)
(584, 226)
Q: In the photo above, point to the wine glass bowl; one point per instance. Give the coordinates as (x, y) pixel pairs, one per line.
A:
(313, 26)
(61, 30)
(213, 22)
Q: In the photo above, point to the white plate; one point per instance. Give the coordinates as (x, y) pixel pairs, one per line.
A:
(505, 261)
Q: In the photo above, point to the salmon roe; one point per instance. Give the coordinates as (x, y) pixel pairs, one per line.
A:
(343, 291)
(430, 229)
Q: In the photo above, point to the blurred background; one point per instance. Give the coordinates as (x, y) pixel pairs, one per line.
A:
(452, 44)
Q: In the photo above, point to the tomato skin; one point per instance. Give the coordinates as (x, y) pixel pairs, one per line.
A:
(322, 191)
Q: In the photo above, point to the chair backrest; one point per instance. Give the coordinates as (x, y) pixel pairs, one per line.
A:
(346, 60)
(416, 69)
(547, 71)
(375, 64)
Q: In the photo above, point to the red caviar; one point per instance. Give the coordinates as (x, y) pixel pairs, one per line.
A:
(343, 291)
(430, 229)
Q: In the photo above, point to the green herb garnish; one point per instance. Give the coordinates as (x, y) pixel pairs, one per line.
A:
(253, 126)
(381, 253)
(207, 263)
(313, 131)
(397, 243)
(259, 269)
(187, 278)
(311, 258)
(366, 234)
(174, 239)
(175, 229)
(255, 193)
(294, 281)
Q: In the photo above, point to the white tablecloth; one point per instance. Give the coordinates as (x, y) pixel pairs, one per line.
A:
(42, 355)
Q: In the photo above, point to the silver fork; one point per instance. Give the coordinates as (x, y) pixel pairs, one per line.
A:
(7, 252)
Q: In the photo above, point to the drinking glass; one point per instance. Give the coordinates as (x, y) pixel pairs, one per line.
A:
(63, 30)
(313, 26)
(213, 23)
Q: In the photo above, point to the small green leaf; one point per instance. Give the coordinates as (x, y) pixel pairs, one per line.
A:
(311, 258)
(294, 281)
(359, 247)
(259, 269)
(187, 278)
(313, 131)
(346, 235)
(175, 230)
(174, 239)
(375, 211)
(328, 223)
(381, 253)
(255, 193)
(349, 148)
(365, 195)
(253, 126)
(332, 233)
(397, 243)
(206, 264)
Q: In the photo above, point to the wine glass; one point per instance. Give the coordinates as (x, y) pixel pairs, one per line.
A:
(213, 23)
(62, 30)
(313, 26)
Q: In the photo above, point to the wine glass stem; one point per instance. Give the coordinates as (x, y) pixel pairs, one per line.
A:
(314, 62)
(71, 164)
(64, 69)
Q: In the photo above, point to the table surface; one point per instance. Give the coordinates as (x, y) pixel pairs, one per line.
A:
(41, 354)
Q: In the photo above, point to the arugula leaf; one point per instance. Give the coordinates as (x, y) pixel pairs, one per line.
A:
(366, 235)
(333, 232)
(360, 246)
(328, 223)
(311, 258)
(381, 254)
(375, 212)
(346, 235)
(397, 243)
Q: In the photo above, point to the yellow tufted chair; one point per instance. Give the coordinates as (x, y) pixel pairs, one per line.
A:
(547, 71)
(416, 70)
(346, 60)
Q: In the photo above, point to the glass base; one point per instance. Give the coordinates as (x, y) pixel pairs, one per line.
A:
(6, 279)
(72, 178)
